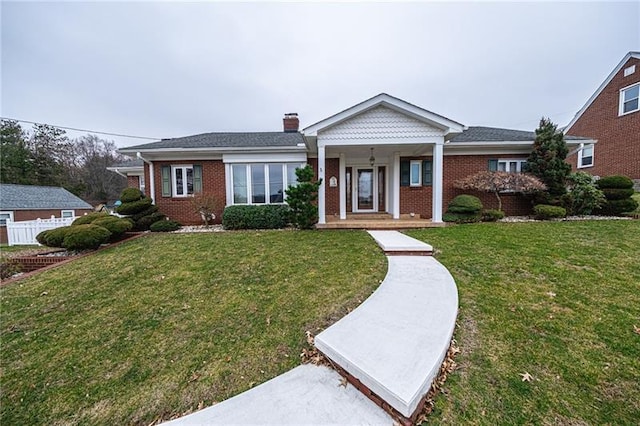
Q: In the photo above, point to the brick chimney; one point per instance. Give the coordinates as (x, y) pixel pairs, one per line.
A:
(291, 122)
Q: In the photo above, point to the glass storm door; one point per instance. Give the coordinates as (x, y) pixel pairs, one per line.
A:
(365, 190)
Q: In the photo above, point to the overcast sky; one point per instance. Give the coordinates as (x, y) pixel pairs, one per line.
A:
(170, 69)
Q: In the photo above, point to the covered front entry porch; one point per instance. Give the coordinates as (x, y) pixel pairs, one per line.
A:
(374, 182)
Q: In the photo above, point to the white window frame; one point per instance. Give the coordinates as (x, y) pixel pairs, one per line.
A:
(267, 183)
(622, 100)
(419, 182)
(62, 213)
(519, 162)
(174, 182)
(141, 183)
(10, 213)
(581, 165)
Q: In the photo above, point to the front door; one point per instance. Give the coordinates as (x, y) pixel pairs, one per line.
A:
(364, 191)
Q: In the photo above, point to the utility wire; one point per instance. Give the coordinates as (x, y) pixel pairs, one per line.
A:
(84, 130)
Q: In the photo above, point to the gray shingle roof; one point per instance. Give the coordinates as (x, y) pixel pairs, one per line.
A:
(226, 140)
(131, 163)
(31, 197)
(494, 134)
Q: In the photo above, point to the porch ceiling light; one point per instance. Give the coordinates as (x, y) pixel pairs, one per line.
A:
(372, 159)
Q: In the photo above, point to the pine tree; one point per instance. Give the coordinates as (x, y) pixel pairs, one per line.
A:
(16, 162)
(547, 160)
(301, 197)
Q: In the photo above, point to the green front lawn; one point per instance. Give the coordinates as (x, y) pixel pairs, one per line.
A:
(165, 323)
(559, 301)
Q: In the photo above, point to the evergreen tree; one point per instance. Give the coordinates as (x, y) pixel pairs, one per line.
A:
(301, 197)
(50, 148)
(547, 160)
(16, 162)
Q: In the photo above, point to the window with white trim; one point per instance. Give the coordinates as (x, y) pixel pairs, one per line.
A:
(262, 183)
(65, 214)
(182, 180)
(511, 166)
(629, 99)
(141, 182)
(585, 156)
(4, 216)
(415, 173)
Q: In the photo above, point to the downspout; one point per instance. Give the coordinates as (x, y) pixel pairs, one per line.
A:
(152, 181)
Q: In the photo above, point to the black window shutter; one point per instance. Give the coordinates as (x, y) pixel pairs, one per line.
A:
(427, 172)
(405, 172)
(493, 165)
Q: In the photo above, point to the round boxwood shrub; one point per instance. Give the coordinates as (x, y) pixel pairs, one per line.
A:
(618, 193)
(615, 182)
(53, 237)
(164, 226)
(129, 195)
(618, 207)
(545, 212)
(84, 237)
(115, 225)
(134, 206)
(89, 218)
(147, 212)
(492, 215)
(465, 204)
(144, 223)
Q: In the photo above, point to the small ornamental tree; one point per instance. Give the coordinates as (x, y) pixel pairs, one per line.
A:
(547, 160)
(497, 182)
(584, 196)
(206, 206)
(301, 197)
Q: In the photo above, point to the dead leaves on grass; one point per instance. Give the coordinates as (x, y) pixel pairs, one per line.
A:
(526, 377)
(313, 355)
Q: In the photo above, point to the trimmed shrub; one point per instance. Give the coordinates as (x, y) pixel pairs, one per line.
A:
(617, 182)
(84, 237)
(268, 216)
(89, 218)
(53, 237)
(129, 195)
(465, 204)
(145, 222)
(618, 207)
(618, 193)
(134, 206)
(545, 212)
(115, 225)
(492, 215)
(148, 212)
(583, 196)
(164, 226)
(460, 217)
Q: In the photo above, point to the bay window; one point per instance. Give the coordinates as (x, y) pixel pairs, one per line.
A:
(261, 183)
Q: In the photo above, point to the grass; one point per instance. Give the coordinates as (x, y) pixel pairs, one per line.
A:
(556, 300)
(160, 325)
(636, 197)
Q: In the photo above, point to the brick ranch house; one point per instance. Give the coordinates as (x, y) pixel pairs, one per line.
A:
(383, 155)
(29, 202)
(612, 117)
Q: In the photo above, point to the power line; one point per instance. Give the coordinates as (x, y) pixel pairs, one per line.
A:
(84, 130)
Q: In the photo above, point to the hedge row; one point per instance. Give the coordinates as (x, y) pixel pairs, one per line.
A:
(268, 216)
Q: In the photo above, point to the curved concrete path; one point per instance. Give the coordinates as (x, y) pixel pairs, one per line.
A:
(393, 344)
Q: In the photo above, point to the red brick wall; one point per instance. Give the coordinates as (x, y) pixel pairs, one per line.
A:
(460, 166)
(179, 208)
(618, 147)
(133, 182)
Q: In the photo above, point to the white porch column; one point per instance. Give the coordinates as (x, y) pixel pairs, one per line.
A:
(342, 178)
(321, 166)
(436, 215)
(396, 186)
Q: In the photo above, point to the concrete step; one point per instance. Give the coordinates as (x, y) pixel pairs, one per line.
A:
(395, 243)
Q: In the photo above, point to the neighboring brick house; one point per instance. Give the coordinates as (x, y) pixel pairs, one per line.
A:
(611, 116)
(383, 155)
(29, 202)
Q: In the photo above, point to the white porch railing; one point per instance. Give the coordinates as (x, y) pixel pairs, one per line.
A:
(24, 233)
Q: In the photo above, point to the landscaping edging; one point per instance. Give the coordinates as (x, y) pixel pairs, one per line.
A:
(37, 264)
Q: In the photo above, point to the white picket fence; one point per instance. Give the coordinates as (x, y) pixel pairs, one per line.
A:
(24, 233)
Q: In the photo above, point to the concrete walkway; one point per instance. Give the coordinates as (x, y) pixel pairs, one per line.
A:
(393, 344)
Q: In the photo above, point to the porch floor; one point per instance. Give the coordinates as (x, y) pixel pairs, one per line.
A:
(377, 221)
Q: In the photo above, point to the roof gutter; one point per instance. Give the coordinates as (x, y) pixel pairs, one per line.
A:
(152, 181)
(115, 170)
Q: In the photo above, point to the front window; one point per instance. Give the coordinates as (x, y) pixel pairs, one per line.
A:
(141, 182)
(66, 214)
(261, 183)
(585, 156)
(416, 173)
(511, 166)
(4, 216)
(629, 98)
(182, 180)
